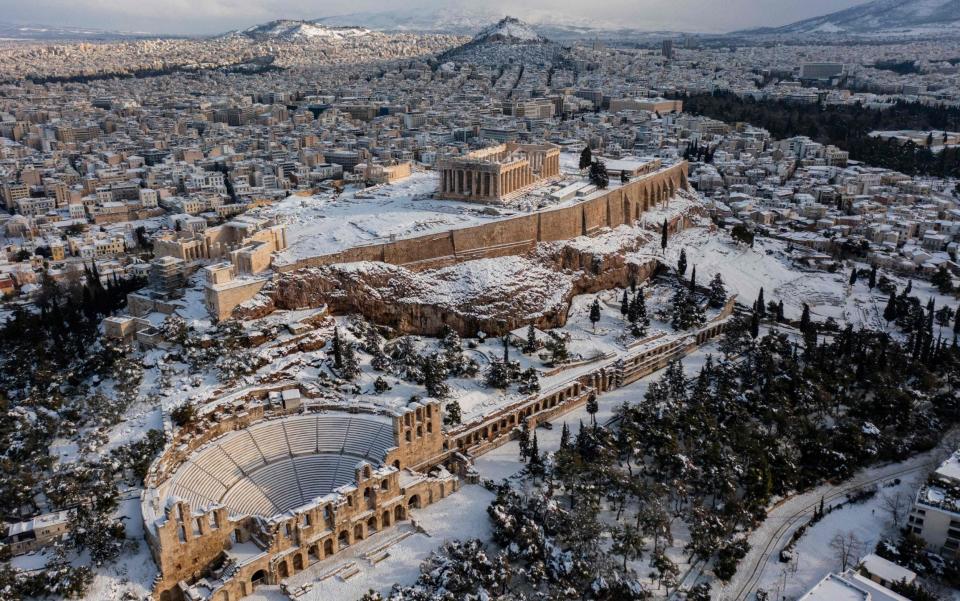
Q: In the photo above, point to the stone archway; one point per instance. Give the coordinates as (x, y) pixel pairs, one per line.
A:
(414, 502)
(297, 562)
(358, 532)
(372, 525)
(328, 547)
(399, 513)
(283, 570)
(259, 578)
(385, 518)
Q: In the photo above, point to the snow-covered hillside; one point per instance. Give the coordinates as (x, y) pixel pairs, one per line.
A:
(887, 16)
(290, 30)
(510, 30)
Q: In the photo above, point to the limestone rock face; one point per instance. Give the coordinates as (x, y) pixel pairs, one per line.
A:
(493, 295)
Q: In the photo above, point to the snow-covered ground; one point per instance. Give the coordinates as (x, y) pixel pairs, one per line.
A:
(462, 515)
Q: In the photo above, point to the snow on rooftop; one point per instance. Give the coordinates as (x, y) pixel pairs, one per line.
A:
(950, 468)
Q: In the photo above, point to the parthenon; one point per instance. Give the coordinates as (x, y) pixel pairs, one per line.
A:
(494, 174)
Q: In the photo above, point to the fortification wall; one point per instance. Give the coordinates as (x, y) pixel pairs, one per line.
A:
(516, 235)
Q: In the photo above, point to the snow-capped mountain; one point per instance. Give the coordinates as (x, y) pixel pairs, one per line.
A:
(880, 16)
(290, 30)
(509, 30)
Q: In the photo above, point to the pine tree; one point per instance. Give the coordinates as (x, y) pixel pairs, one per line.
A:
(529, 381)
(558, 349)
(433, 378)
(872, 282)
(592, 408)
(754, 325)
(890, 311)
(598, 175)
(780, 317)
(682, 262)
(595, 313)
(760, 306)
(531, 344)
(718, 292)
(452, 414)
(693, 280)
(663, 235)
(586, 158)
(624, 305)
(506, 349)
(853, 276)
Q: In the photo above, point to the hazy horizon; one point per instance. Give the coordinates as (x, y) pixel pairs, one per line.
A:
(205, 17)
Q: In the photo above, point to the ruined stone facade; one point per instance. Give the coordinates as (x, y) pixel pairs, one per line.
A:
(213, 550)
(495, 174)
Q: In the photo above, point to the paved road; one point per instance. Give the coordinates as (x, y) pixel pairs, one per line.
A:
(784, 518)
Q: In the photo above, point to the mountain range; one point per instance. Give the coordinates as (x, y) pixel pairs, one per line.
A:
(880, 17)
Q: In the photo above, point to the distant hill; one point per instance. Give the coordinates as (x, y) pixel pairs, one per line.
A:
(879, 17)
(509, 30)
(293, 30)
(15, 31)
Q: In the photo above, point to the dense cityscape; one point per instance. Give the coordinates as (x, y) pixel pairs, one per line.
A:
(318, 310)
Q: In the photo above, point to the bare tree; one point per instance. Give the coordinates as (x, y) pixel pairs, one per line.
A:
(897, 505)
(847, 548)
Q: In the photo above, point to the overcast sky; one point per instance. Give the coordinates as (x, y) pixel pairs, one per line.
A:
(215, 16)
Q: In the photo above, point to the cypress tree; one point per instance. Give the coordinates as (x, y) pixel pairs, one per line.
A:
(805, 319)
(663, 235)
(682, 262)
(693, 280)
(337, 349)
(890, 311)
(754, 325)
(873, 277)
(565, 437)
(853, 276)
(586, 158)
(760, 306)
(624, 304)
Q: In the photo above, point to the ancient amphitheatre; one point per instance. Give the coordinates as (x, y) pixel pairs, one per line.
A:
(256, 491)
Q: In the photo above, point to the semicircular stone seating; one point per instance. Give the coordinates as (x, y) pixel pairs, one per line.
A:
(277, 465)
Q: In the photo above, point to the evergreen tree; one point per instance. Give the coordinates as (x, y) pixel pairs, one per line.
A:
(529, 381)
(565, 437)
(754, 325)
(780, 317)
(558, 349)
(598, 175)
(506, 349)
(872, 282)
(682, 262)
(595, 313)
(760, 306)
(805, 319)
(663, 235)
(693, 280)
(337, 349)
(536, 461)
(890, 311)
(498, 376)
(350, 366)
(592, 408)
(586, 158)
(717, 296)
(524, 441)
(452, 414)
(531, 343)
(624, 305)
(433, 378)
(853, 276)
